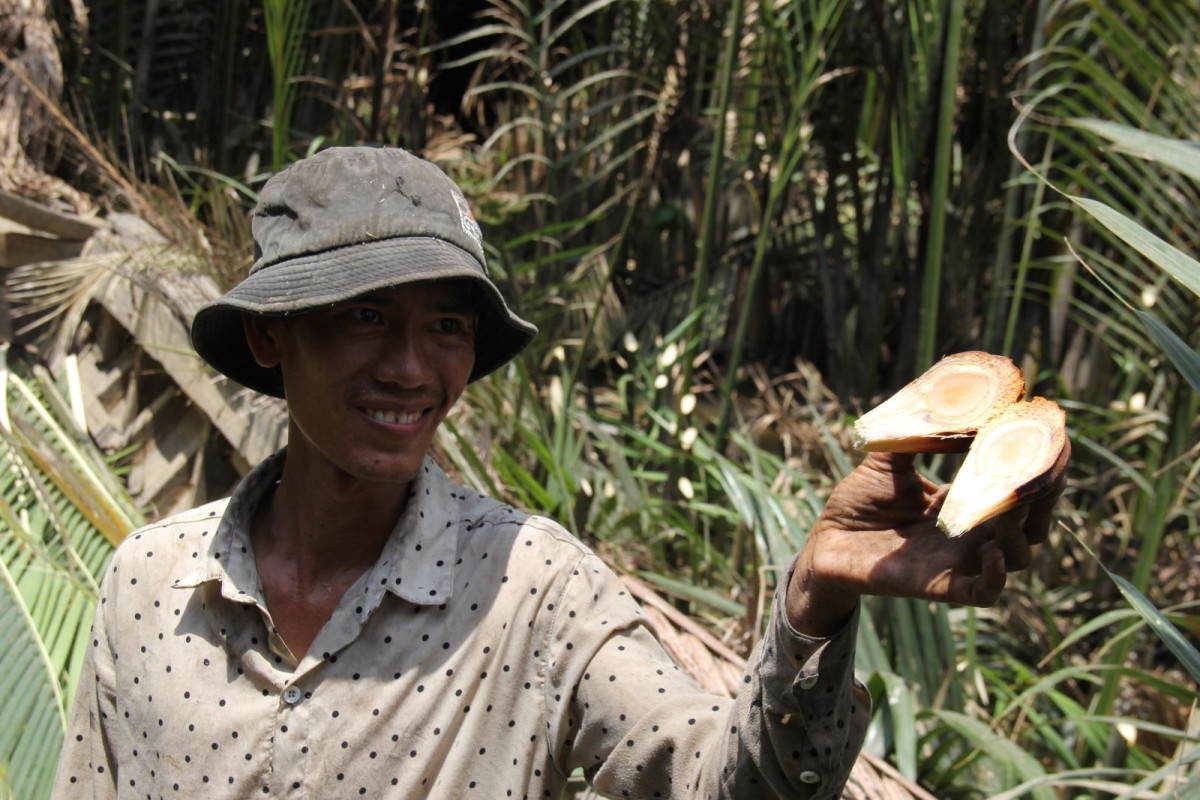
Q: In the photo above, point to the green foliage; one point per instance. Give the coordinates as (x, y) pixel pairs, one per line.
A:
(1187, 654)
(801, 37)
(61, 510)
(286, 22)
(1124, 194)
(729, 255)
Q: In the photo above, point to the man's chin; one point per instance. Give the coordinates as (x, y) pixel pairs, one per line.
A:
(391, 471)
(388, 477)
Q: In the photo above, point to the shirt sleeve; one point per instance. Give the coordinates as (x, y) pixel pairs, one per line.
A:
(87, 764)
(639, 727)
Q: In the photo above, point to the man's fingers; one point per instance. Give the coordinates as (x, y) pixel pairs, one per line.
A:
(918, 562)
(901, 465)
(883, 493)
(1041, 512)
(984, 589)
(965, 586)
(880, 537)
(1011, 539)
(935, 497)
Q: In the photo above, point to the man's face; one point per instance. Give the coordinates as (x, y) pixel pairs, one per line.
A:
(369, 380)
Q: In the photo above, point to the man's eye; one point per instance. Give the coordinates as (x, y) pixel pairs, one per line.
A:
(366, 316)
(450, 325)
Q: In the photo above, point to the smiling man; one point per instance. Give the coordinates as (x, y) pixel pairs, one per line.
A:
(351, 623)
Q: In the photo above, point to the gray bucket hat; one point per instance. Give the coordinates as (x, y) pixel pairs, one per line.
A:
(344, 222)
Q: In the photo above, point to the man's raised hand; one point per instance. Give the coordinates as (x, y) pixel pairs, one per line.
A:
(878, 536)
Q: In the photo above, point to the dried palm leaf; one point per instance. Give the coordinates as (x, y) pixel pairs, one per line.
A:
(28, 128)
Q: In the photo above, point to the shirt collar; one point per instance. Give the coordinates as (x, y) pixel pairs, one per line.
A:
(416, 564)
(418, 559)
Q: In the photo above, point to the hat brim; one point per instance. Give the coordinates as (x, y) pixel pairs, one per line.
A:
(323, 279)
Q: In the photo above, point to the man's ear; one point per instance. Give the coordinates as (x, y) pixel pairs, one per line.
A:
(262, 335)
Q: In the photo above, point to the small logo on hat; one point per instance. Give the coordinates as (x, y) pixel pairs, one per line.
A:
(467, 219)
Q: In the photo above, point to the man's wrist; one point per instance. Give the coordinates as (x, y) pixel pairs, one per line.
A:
(816, 607)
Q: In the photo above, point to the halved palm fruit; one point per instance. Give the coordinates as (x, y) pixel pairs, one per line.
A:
(940, 411)
(1015, 458)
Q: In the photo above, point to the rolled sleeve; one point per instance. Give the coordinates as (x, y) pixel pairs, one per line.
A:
(641, 728)
(811, 712)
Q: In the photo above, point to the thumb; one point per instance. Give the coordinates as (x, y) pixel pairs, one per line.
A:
(890, 462)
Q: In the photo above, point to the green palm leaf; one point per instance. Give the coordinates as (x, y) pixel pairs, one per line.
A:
(60, 514)
(1184, 650)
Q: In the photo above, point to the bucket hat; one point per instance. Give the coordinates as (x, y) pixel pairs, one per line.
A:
(347, 221)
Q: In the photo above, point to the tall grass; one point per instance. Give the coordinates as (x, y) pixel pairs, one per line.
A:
(731, 255)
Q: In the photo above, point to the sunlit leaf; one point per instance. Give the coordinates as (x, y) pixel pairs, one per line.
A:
(55, 495)
(1174, 153)
(697, 593)
(1188, 655)
(1179, 265)
(1183, 357)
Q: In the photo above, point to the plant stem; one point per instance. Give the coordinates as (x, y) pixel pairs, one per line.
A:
(941, 180)
(286, 23)
(1002, 264)
(1032, 231)
(708, 221)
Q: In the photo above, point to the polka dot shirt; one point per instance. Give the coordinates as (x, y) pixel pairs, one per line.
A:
(487, 653)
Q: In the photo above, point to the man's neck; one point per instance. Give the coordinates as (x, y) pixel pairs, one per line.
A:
(315, 535)
(325, 522)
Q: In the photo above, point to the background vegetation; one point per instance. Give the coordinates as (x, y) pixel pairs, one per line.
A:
(737, 224)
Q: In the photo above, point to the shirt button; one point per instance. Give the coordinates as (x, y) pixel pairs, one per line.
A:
(809, 776)
(292, 695)
(808, 682)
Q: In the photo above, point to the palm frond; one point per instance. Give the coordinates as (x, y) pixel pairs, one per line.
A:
(61, 513)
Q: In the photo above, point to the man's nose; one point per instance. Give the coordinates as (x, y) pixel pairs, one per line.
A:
(402, 360)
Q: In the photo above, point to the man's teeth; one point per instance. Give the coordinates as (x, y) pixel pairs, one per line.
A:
(393, 417)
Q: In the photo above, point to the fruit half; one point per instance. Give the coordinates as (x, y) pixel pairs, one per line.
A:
(1016, 457)
(940, 411)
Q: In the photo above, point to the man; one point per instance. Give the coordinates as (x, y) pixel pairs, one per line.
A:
(352, 624)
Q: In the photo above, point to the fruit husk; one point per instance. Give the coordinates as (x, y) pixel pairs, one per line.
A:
(941, 411)
(1016, 458)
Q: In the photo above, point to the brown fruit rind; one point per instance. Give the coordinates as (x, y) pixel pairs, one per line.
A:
(941, 411)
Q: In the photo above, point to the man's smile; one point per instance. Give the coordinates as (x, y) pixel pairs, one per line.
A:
(393, 417)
